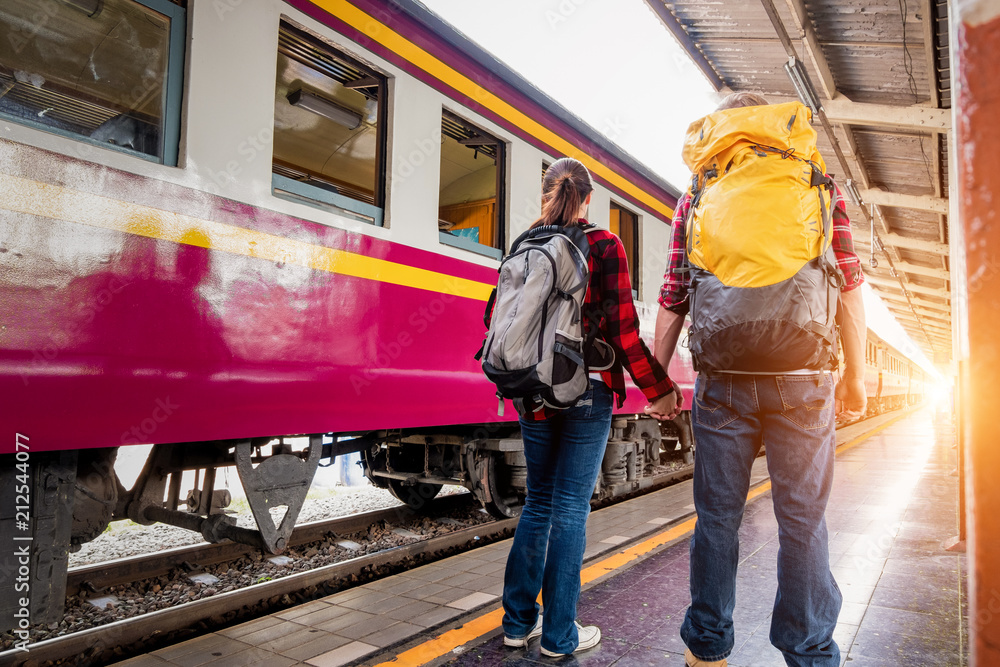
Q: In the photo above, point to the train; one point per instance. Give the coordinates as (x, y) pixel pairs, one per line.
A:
(229, 227)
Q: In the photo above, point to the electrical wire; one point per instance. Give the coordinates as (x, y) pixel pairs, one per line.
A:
(914, 90)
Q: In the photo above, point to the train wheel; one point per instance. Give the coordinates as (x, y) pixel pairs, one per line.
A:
(375, 459)
(416, 496)
(497, 494)
(95, 493)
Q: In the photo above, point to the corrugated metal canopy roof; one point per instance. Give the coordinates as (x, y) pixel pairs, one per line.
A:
(881, 70)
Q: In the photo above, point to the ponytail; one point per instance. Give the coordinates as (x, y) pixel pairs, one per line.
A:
(565, 186)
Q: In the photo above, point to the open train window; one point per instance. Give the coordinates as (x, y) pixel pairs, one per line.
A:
(329, 128)
(106, 72)
(470, 201)
(625, 224)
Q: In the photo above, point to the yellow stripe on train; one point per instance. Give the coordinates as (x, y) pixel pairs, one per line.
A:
(56, 202)
(398, 44)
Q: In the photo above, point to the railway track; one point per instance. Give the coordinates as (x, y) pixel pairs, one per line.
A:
(121, 638)
(100, 576)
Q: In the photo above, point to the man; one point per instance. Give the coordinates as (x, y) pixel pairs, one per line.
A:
(793, 414)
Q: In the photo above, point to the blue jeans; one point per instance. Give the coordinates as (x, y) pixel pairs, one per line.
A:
(793, 416)
(564, 456)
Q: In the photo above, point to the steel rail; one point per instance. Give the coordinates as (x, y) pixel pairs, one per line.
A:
(100, 643)
(146, 566)
(107, 641)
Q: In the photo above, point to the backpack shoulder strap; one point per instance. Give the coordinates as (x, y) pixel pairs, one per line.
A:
(519, 240)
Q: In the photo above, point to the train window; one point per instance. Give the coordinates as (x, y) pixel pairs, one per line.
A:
(625, 224)
(470, 203)
(106, 72)
(329, 128)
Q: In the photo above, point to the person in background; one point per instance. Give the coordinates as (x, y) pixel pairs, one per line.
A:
(564, 448)
(733, 414)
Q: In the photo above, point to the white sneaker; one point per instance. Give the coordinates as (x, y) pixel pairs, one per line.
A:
(514, 642)
(590, 636)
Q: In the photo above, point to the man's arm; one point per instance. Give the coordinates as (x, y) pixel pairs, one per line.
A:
(850, 393)
(668, 329)
(673, 305)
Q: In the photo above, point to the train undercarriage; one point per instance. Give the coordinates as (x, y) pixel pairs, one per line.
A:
(75, 495)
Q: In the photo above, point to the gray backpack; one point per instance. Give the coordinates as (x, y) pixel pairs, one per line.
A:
(536, 350)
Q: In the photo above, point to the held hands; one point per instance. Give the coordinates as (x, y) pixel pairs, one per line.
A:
(850, 399)
(666, 407)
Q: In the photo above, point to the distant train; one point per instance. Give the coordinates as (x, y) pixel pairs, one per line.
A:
(892, 381)
(222, 227)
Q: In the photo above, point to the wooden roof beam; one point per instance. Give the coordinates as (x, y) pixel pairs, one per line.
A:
(936, 338)
(920, 118)
(923, 321)
(893, 296)
(918, 202)
(923, 326)
(813, 50)
(921, 245)
(943, 316)
(910, 287)
(906, 267)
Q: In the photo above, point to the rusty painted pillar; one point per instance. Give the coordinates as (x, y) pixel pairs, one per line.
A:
(976, 50)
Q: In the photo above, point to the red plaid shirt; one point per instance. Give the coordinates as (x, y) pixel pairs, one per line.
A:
(609, 304)
(674, 293)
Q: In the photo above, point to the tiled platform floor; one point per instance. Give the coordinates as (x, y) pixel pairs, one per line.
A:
(893, 503)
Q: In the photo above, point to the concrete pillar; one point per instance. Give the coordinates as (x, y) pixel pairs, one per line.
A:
(976, 51)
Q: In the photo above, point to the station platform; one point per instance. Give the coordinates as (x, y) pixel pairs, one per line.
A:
(894, 504)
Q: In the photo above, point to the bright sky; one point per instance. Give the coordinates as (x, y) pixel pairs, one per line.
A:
(613, 64)
(610, 62)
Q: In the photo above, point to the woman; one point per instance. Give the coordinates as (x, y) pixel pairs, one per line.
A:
(564, 448)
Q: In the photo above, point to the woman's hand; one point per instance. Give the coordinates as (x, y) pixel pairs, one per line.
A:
(666, 407)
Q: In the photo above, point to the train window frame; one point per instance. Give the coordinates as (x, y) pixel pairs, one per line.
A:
(500, 206)
(634, 268)
(315, 196)
(173, 93)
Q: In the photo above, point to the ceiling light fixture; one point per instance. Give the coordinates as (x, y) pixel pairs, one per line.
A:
(803, 86)
(852, 192)
(326, 108)
(89, 7)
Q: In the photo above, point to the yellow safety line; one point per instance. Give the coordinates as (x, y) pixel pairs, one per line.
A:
(443, 644)
(56, 202)
(392, 40)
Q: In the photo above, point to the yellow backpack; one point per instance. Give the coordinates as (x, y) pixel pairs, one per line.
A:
(762, 204)
(764, 281)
